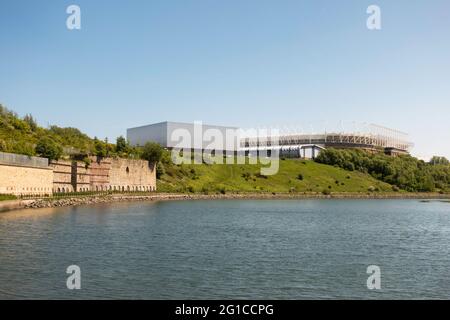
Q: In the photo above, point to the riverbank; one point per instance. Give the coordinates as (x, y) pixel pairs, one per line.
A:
(95, 199)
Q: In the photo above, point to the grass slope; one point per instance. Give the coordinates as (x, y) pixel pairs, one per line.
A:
(314, 177)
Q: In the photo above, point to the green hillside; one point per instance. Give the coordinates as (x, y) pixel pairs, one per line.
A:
(293, 176)
(22, 135)
(333, 171)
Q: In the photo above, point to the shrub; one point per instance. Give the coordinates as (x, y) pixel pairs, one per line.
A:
(4, 197)
(326, 192)
(205, 190)
(121, 145)
(160, 170)
(246, 176)
(47, 148)
(152, 152)
(300, 176)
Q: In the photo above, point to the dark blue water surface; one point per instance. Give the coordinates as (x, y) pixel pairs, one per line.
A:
(266, 249)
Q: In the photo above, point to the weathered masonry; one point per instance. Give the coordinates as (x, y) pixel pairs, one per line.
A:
(103, 174)
(21, 175)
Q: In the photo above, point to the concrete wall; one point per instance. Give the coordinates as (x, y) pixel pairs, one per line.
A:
(23, 175)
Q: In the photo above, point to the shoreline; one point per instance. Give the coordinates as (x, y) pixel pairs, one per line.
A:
(37, 203)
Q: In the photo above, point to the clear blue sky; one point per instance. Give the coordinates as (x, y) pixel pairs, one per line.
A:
(230, 62)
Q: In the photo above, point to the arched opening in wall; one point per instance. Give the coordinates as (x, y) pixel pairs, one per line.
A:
(96, 188)
(123, 188)
(114, 188)
(128, 188)
(59, 190)
(127, 170)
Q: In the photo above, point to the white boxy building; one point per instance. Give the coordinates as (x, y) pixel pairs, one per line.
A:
(180, 135)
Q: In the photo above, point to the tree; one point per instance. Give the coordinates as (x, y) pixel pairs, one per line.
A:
(121, 145)
(3, 146)
(100, 148)
(31, 122)
(439, 160)
(152, 152)
(47, 148)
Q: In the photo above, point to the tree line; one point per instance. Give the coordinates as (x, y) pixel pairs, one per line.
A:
(25, 136)
(404, 172)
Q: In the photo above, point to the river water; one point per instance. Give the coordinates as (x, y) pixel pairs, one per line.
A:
(224, 249)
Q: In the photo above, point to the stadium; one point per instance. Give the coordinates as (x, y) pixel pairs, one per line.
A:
(296, 144)
(287, 142)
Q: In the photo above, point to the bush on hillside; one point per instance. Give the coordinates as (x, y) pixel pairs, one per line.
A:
(406, 172)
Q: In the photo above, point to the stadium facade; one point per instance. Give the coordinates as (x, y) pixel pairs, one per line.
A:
(287, 143)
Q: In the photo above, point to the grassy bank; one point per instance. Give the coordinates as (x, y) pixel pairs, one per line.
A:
(294, 176)
(4, 197)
